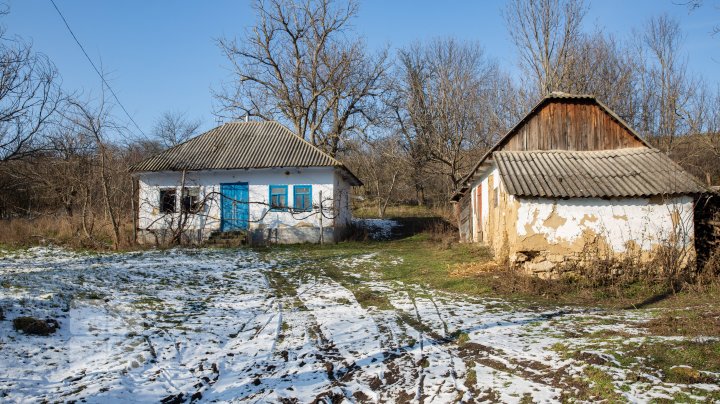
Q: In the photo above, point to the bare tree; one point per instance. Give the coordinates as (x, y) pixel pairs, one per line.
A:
(95, 123)
(694, 5)
(29, 97)
(447, 104)
(668, 90)
(545, 33)
(383, 165)
(606, 68)
(299, 65)
(173, 128)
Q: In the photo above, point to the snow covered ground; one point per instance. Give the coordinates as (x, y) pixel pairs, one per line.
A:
(241, 325)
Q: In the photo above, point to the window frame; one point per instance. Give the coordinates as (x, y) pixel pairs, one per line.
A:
(161, 201)
(195, 206)
(270, 195)
(309, 206)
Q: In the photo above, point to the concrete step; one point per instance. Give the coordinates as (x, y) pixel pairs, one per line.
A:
(227, 239)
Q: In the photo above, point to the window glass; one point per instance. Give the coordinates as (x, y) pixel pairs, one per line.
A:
(303, 197)
(167, 200)
(191, 199)
(278, 197)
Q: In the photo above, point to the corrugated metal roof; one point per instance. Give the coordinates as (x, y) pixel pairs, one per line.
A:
(634, 172)
(238, 145)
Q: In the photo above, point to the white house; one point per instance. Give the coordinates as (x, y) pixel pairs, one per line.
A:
(572, 182)
(254, 177)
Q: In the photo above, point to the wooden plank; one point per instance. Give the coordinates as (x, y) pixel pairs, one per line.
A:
(569, 124)
(478, 213)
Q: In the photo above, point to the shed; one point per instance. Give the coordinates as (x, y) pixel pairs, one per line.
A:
(257, 178)
(572, 181)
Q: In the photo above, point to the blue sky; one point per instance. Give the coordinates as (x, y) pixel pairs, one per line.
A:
(161, 55)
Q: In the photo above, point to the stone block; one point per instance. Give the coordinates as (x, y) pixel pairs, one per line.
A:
(544, 266)
(556, 258)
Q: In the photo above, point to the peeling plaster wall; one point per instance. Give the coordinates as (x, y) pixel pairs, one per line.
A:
(495, 226)
(549, 232)
(622, 222)
(554, 231)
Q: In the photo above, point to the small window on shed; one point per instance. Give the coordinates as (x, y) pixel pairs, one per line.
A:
(191, 200)
(278, 197)
(167, 200)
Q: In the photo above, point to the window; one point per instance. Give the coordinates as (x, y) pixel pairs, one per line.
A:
(303, 198)
(278, 197)
(167, 200)
(191, 200)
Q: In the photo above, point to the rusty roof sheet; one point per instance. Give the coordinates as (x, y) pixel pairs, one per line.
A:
(634, 172)
(238, 145)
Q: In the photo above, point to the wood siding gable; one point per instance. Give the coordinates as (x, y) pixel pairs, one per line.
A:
(570, 124)
(562, 122)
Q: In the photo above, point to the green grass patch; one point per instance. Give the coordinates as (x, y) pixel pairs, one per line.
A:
(413, 322)
(462, 338)
(561, 349)
(471, 377)
(367, 297)
(677, 361)
(148, 302)
(418, 260)
(426, 260)
(601, 385)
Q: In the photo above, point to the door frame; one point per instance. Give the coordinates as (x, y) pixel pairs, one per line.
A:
(222, 204)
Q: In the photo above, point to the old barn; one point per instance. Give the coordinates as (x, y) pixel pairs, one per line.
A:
(570, 181)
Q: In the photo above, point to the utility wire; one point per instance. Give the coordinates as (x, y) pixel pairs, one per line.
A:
(95, 67)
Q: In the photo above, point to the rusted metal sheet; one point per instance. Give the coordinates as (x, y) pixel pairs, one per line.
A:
(632, 172)
(238, 145)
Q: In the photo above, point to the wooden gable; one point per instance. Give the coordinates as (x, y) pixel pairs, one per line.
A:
(580, 124)
(562, 121)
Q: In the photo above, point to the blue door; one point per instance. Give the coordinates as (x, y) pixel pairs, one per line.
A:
(234, 209)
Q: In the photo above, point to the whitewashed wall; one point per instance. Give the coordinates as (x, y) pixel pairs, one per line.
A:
(560, 225)
(324, 181)
(483, 188)
(642, 221)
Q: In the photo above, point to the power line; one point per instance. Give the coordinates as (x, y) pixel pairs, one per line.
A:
(95, 67)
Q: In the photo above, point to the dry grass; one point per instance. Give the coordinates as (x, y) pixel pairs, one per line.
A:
(696, 322)
(403, 211)
(61, 230)
(630, 293)
(472, 269)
